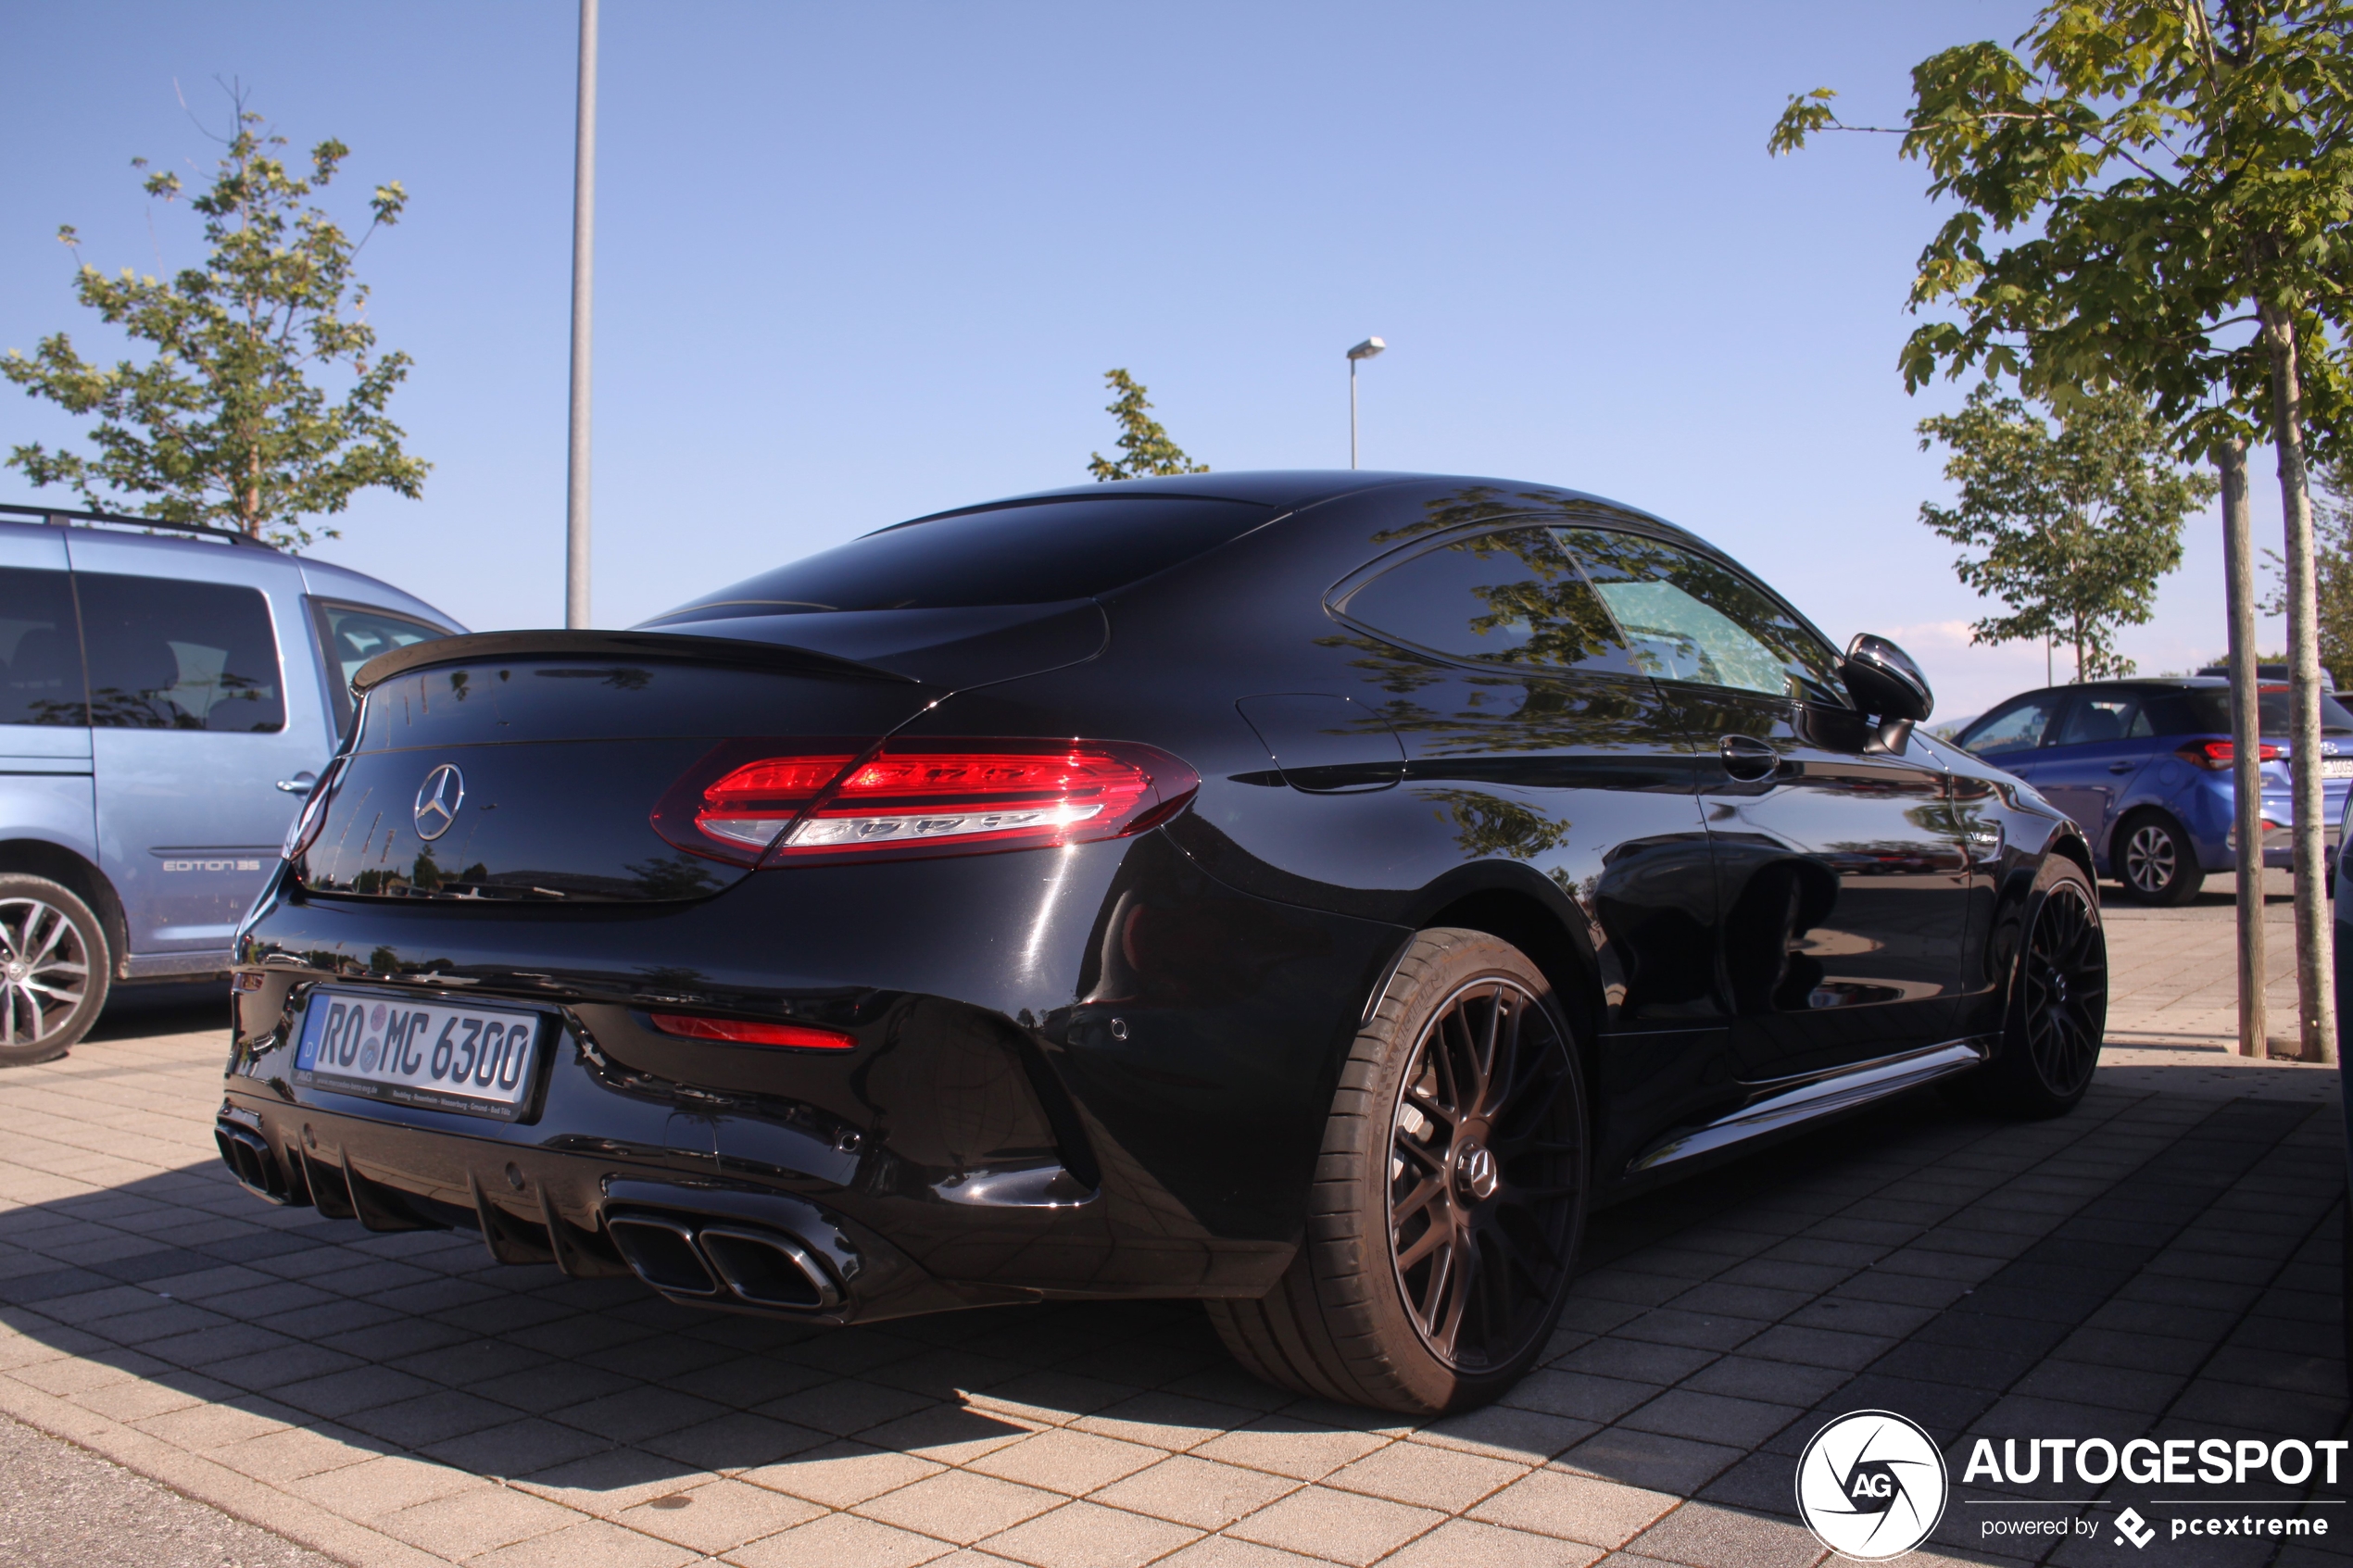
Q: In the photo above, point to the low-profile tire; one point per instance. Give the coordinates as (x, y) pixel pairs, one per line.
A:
(53, 969)
(1449, 1197)
(2156, 861)
(2057, 1014)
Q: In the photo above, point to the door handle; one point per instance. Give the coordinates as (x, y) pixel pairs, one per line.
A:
(2121, 767)
(300, 783)
(1747, 758)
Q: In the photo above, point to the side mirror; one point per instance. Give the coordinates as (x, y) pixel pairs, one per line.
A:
(1887, 684)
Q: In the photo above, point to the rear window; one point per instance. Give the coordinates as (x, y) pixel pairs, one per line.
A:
(2207, 710)
(1034, 553)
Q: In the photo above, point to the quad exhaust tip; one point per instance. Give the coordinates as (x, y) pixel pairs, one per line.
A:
(686, 1256)
(252, 1161)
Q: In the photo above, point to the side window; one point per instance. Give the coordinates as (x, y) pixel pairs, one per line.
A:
(1692, 619)
(40, 650)
(352, 634)
(171, 654)
(2101, 716)
(2018, 728)
(1515, 596)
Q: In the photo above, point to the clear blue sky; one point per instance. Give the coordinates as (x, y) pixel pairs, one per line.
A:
(858, 262)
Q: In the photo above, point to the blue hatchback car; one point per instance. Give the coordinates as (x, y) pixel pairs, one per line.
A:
(165, 703)
(2145, 767)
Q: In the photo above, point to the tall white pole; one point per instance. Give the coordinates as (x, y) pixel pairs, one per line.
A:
(583, 252)
(1352, 413)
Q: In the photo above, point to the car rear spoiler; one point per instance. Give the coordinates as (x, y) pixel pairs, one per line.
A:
(741, 653)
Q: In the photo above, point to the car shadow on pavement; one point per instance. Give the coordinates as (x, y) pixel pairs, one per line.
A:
(2153, 1264)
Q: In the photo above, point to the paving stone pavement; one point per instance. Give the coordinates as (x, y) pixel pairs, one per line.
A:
(2164, 1262)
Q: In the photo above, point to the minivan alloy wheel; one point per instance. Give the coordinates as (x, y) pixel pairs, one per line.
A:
(45, 970)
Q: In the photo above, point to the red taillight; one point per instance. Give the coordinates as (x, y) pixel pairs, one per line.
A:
(2215, 756)
(831, 802)
(753, 804)
(742, 1032)
(735, 802)
(947, 796)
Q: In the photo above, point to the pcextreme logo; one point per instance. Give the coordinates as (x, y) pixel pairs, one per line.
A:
(1871, 1485)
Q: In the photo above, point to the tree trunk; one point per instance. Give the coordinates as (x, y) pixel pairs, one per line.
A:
(2247, 735)
(2315, 1006)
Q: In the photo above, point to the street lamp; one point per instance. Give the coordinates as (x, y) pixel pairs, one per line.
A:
(1363, 350)
(583, 252)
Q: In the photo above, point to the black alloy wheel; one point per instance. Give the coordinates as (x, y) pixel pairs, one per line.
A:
(2063, 985)
(1449, 1197)
(2157, 862)
(2058, 1004)
(1484, 1176)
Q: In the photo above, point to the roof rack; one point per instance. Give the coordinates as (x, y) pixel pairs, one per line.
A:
(66, 517)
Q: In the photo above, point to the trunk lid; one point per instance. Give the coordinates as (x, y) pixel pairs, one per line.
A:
(532, 766)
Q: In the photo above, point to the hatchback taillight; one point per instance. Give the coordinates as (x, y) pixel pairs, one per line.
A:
(826, 802)
(2215, 756)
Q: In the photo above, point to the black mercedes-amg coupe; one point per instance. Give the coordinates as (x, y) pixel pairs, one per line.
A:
(1306, 892)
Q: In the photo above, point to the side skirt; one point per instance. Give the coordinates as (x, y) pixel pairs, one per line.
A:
(1824, 1095)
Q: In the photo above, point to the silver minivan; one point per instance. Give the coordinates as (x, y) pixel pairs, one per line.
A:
(168, 695)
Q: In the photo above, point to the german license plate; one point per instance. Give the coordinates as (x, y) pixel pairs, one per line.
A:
(2337, 767)
(475, 1061)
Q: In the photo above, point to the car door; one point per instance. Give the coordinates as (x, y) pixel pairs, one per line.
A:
(1532, 735)
(44, 714)
(197, 745)
(2101, 743)
(1840, 868)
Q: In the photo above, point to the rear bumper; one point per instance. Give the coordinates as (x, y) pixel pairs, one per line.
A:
(1093, 1072)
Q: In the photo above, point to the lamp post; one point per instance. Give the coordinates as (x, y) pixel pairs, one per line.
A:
(1363, 350)
(584, 248)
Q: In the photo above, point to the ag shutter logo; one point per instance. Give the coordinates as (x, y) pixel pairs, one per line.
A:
(1871, 1485)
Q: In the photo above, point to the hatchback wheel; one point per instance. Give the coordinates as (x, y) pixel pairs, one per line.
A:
(54, 968)
(2157, 862)
(1449, 1198)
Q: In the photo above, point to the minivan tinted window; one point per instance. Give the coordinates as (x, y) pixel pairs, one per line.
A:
(169, 654)
(1034, 553)
(40, 650)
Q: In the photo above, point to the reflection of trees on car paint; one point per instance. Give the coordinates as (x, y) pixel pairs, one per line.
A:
(1490, 824)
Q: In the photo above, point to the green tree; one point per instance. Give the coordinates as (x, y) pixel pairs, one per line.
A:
(2070, 531)
(222, 424)
(2331, 571)
(1144, 446)
(2137, 184)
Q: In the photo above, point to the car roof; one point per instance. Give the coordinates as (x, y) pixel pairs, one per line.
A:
(1292, 489)
(318, 577)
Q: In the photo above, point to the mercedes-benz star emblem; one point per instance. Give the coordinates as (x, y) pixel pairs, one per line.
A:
(437, 801)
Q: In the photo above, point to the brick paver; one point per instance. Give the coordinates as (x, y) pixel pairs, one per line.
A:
(2164, 1262)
